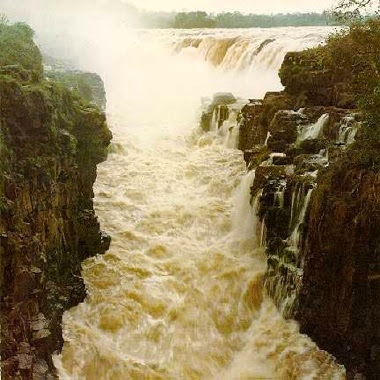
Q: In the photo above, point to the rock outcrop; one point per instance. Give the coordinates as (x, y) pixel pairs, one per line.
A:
(50, 144)
(89, 86)
(319, 210)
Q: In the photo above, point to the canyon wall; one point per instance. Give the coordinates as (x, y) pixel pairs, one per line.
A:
(318, 209)
(50, 143)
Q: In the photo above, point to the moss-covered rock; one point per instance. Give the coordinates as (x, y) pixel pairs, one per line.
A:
(18, 48)
(50, 143)
(89, 86)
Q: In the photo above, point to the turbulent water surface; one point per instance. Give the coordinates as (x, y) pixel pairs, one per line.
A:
(180, 293)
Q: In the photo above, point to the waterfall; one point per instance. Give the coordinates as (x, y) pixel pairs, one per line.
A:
(244, 216)
(180, 295)
(312, 131)
(279, 198)
(244, 49)
(263, 233)
(229, 123)
(267, 138)
(215, 119)
(348, 130)
(232, 137)
(300, 203)
(231, 127)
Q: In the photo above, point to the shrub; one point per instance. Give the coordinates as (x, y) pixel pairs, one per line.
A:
(17, 47)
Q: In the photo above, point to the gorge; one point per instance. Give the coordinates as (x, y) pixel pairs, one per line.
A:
(222, 236)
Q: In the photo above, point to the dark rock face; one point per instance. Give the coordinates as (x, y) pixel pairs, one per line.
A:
(50, 144)
(257, 116)
(319, 211)
(339, 302)
(312, 84)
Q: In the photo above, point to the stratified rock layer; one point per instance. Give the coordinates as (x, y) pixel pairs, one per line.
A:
(50, 144)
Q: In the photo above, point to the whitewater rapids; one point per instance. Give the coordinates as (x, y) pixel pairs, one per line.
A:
(180, 293)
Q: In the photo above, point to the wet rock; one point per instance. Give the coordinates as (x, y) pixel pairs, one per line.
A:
(319, 210)
(313, 146)
(255, 156)
(284, 129)
(217, 109)
(257, 116)
(339, 251)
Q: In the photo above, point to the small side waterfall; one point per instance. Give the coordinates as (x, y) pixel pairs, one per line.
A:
(267, 138)
(300, 203)
(312, 131)
(221, 117)
(244, 216)
(348, 130)
(279, 198)
(232, 139)
(215, 119)
(230, 129)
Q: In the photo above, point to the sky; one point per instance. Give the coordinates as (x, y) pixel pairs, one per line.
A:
(213, 6)
(246, 6)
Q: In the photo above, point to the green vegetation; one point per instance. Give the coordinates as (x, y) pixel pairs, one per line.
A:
(350, 59)
(238, 20)
(355, 57)
(348, 10)
(17, 48)
(361, 51)
(57, 106)
(193, 20)
(88, 86)
(199, 19)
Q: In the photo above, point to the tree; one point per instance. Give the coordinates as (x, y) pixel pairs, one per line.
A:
(353, 10)
(3, 19)
(193, 20)
(358, 5)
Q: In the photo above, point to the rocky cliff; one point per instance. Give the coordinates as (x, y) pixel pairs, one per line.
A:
(318, 207)
(319, 210)
(50, 144)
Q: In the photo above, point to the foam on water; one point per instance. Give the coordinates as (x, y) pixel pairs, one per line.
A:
(180, 293)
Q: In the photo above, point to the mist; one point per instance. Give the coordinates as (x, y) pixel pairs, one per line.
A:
(84, 33)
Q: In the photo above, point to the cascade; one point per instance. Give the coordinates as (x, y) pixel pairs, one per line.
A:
(180, 295)
(348, 130)
(215, 119)
(245, 212)
(299, 208)
(231, 127)
(313, 131)
(279, 198)
(267, 138)
(245, 49)
(232, 138)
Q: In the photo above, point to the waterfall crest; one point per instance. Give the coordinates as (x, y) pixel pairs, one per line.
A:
(244, 49)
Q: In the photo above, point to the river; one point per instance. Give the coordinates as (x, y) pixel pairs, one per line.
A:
(180, 293)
